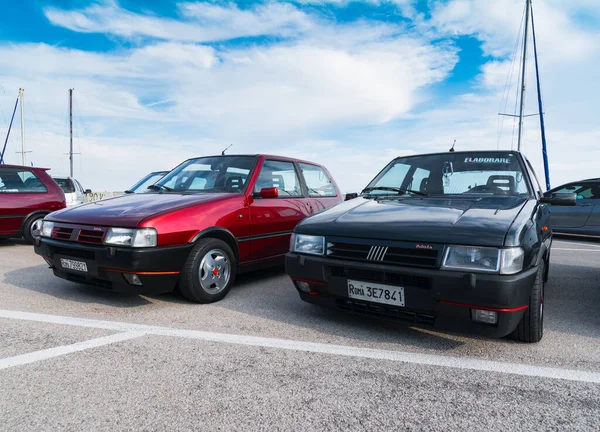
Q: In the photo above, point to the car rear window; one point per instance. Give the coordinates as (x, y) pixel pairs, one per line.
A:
(65, 184)
(20, 181)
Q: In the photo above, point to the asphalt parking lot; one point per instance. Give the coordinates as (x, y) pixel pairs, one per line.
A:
(74, 358)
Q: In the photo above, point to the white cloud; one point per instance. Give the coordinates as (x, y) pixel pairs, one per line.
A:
(202, 22)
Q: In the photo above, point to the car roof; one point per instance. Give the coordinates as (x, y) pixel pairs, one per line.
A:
(266, 156)
(462, 152)
(24, 167)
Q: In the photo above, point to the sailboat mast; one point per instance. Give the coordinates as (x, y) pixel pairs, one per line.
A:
(8, 133)
(540, 107)
(527, 9)
(71, 130)
(21, 97)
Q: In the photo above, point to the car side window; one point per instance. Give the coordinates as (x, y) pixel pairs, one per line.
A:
(281, 175)
(318, 182)
(20, 181)
(583, 190)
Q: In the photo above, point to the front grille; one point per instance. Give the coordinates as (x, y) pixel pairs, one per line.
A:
(393, 313)
(62, 233)
(75, 253)
(381, 276)
(407, 254)
(90, 236)
(90, 281)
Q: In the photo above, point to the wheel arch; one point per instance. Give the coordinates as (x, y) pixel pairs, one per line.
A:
(32, 214)
(222, 234)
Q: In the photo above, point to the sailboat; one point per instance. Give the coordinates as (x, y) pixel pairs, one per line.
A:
(529, 18)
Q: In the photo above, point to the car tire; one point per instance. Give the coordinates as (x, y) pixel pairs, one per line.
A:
(531, 327)
(209, 271)
(31, 228)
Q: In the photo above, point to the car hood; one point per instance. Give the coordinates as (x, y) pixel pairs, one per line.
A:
(478, 221)
(129, 210)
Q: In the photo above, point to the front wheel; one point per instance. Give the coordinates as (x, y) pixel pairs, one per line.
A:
(531, 327)
(209, 271)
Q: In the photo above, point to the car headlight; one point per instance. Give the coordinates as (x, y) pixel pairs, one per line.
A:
(131, 237)
(512, 260)
(47, 228)
(484, 259)
(309, 244)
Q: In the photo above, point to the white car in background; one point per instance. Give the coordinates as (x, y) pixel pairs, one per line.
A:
(74, 192)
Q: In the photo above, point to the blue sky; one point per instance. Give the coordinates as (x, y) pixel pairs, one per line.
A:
(347, 83)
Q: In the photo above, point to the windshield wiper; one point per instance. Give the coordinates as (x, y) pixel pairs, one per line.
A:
(160, 187)
(393, 189)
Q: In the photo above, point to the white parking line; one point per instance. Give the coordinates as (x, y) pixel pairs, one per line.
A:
(578, 250)
(35, 356)
(567, 243)
(135, 330)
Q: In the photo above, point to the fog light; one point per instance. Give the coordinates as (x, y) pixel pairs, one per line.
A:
(303, 286)
(484, 316)
(133, 279)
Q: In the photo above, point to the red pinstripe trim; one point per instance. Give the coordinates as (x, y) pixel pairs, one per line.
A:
(141, 273)
(309, 281)
(516, 309)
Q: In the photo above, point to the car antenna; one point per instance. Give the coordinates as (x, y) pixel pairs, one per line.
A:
(226, 148)
(453, 144)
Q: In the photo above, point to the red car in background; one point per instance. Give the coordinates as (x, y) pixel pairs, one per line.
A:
(27, 194)
(205, 221)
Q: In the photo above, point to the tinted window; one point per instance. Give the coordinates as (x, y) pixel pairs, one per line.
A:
(65, 184)
(281, 175)
(456, 173)
(317, 181)
(583, 190)
(19, 181)
(222, 174)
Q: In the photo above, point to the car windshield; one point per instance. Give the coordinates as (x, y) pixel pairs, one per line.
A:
(150, 179)
(477, 173)
(218, 173)
(65, 184)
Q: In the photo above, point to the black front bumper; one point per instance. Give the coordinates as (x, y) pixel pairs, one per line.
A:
(157, 268)
(433, 298)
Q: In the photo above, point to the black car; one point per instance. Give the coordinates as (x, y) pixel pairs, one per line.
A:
(456, 240)
(583, 219)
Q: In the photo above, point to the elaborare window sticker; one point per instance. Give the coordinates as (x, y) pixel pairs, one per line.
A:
(490, 160)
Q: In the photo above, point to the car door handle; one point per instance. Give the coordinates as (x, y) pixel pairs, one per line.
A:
(585, 205)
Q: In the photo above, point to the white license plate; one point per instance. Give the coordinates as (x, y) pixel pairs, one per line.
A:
(377, 293)
(73, 265)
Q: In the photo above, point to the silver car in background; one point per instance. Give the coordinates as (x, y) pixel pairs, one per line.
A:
(74, 192)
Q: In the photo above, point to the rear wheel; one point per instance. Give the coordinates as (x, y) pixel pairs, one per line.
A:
(531, 327)
(209, 271)
(32, 227)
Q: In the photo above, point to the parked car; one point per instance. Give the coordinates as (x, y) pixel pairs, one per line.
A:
(27, 194)
(142, 185)
(74, 192)
(456, 240)
(582, 219)
(205, 221)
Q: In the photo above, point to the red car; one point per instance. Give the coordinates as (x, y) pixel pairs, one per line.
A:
(202, 223)
(26, 195)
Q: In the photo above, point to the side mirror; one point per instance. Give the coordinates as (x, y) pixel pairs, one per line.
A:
(350, 196)
(271, 192)
(559, 199)
(127, 192)
(88, 191)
